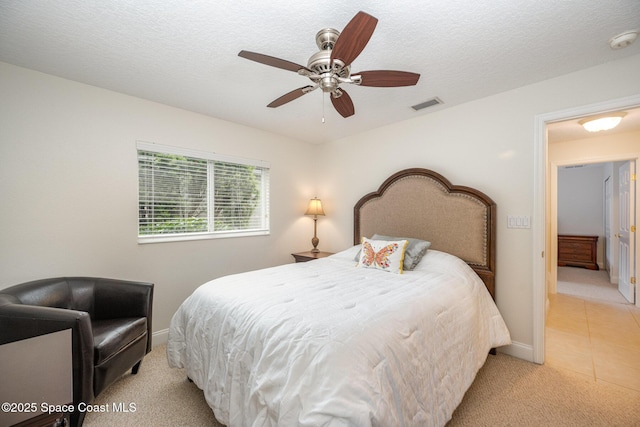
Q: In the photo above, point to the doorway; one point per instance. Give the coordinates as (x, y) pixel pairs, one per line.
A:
(590, 328)
(545, 179)
(588, 223)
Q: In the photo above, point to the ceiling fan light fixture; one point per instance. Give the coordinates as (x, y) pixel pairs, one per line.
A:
(602, 122)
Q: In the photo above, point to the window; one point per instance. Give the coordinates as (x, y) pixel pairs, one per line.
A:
(184, 194)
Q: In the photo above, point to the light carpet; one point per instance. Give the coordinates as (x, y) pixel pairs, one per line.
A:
(588, 284)
(507, 392)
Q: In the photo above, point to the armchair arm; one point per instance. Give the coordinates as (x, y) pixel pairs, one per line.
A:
(19, 321)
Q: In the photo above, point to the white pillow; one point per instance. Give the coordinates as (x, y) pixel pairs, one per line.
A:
(386, 255)
(414, 252)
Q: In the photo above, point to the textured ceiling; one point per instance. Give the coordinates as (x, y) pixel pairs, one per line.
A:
(184, 53)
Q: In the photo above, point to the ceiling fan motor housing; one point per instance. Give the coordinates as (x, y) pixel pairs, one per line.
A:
(326, 38)
(320, 62)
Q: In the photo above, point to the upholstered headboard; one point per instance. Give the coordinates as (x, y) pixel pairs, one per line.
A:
(423, 204)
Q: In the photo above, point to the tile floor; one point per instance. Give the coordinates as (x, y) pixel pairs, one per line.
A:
(596, 339)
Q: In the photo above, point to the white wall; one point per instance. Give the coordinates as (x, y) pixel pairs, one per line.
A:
(581, 200)
(581, 203)
(68, 189)
(487, 144)
(68, 180)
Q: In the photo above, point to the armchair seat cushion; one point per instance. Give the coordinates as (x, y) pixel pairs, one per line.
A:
(110, 336)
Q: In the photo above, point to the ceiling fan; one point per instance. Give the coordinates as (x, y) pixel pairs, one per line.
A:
(331, 66)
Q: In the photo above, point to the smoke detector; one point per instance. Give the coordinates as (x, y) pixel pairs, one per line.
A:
(623, 40)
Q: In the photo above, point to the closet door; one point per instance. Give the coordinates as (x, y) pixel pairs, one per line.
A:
(626, 233)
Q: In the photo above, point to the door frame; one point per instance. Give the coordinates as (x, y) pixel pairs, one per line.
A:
(608, 191)
(608, 217)
(541, 213)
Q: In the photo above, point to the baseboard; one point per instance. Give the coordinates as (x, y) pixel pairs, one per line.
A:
(519, 350)
(160, 337)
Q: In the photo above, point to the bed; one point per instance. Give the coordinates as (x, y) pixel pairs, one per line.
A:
(332, 343)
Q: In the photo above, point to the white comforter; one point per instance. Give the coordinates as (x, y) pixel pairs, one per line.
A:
(324, 343)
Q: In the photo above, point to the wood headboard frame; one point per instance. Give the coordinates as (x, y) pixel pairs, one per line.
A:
(421, 203)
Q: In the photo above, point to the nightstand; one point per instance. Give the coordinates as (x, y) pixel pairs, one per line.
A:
(310, 256)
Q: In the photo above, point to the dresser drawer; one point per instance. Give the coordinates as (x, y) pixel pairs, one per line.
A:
(578, 251)
(584, 252)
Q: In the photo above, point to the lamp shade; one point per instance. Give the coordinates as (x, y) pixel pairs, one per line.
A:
(315, 207)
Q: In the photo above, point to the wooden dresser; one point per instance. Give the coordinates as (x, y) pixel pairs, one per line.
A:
(578, 251)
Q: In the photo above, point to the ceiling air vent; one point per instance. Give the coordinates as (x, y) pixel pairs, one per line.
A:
(426, 104)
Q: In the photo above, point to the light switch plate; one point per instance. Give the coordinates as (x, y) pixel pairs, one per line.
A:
(518, 221)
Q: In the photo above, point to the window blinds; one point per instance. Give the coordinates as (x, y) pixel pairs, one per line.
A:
(188, 193)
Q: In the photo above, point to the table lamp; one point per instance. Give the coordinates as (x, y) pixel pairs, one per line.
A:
(315, 209)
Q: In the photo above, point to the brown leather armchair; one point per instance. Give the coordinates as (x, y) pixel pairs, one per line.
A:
(110, 321)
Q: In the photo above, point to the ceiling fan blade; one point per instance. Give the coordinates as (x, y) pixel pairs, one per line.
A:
(354, 38)
(343, 104)
(272, 61)
(288, 97)
(387, 78)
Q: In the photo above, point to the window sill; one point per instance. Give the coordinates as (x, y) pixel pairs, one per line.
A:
(199, 236)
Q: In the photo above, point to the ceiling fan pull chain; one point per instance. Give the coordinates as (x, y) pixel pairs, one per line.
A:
(323, 107)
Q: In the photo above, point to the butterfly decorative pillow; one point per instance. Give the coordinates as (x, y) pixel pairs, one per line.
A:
(387, 255)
